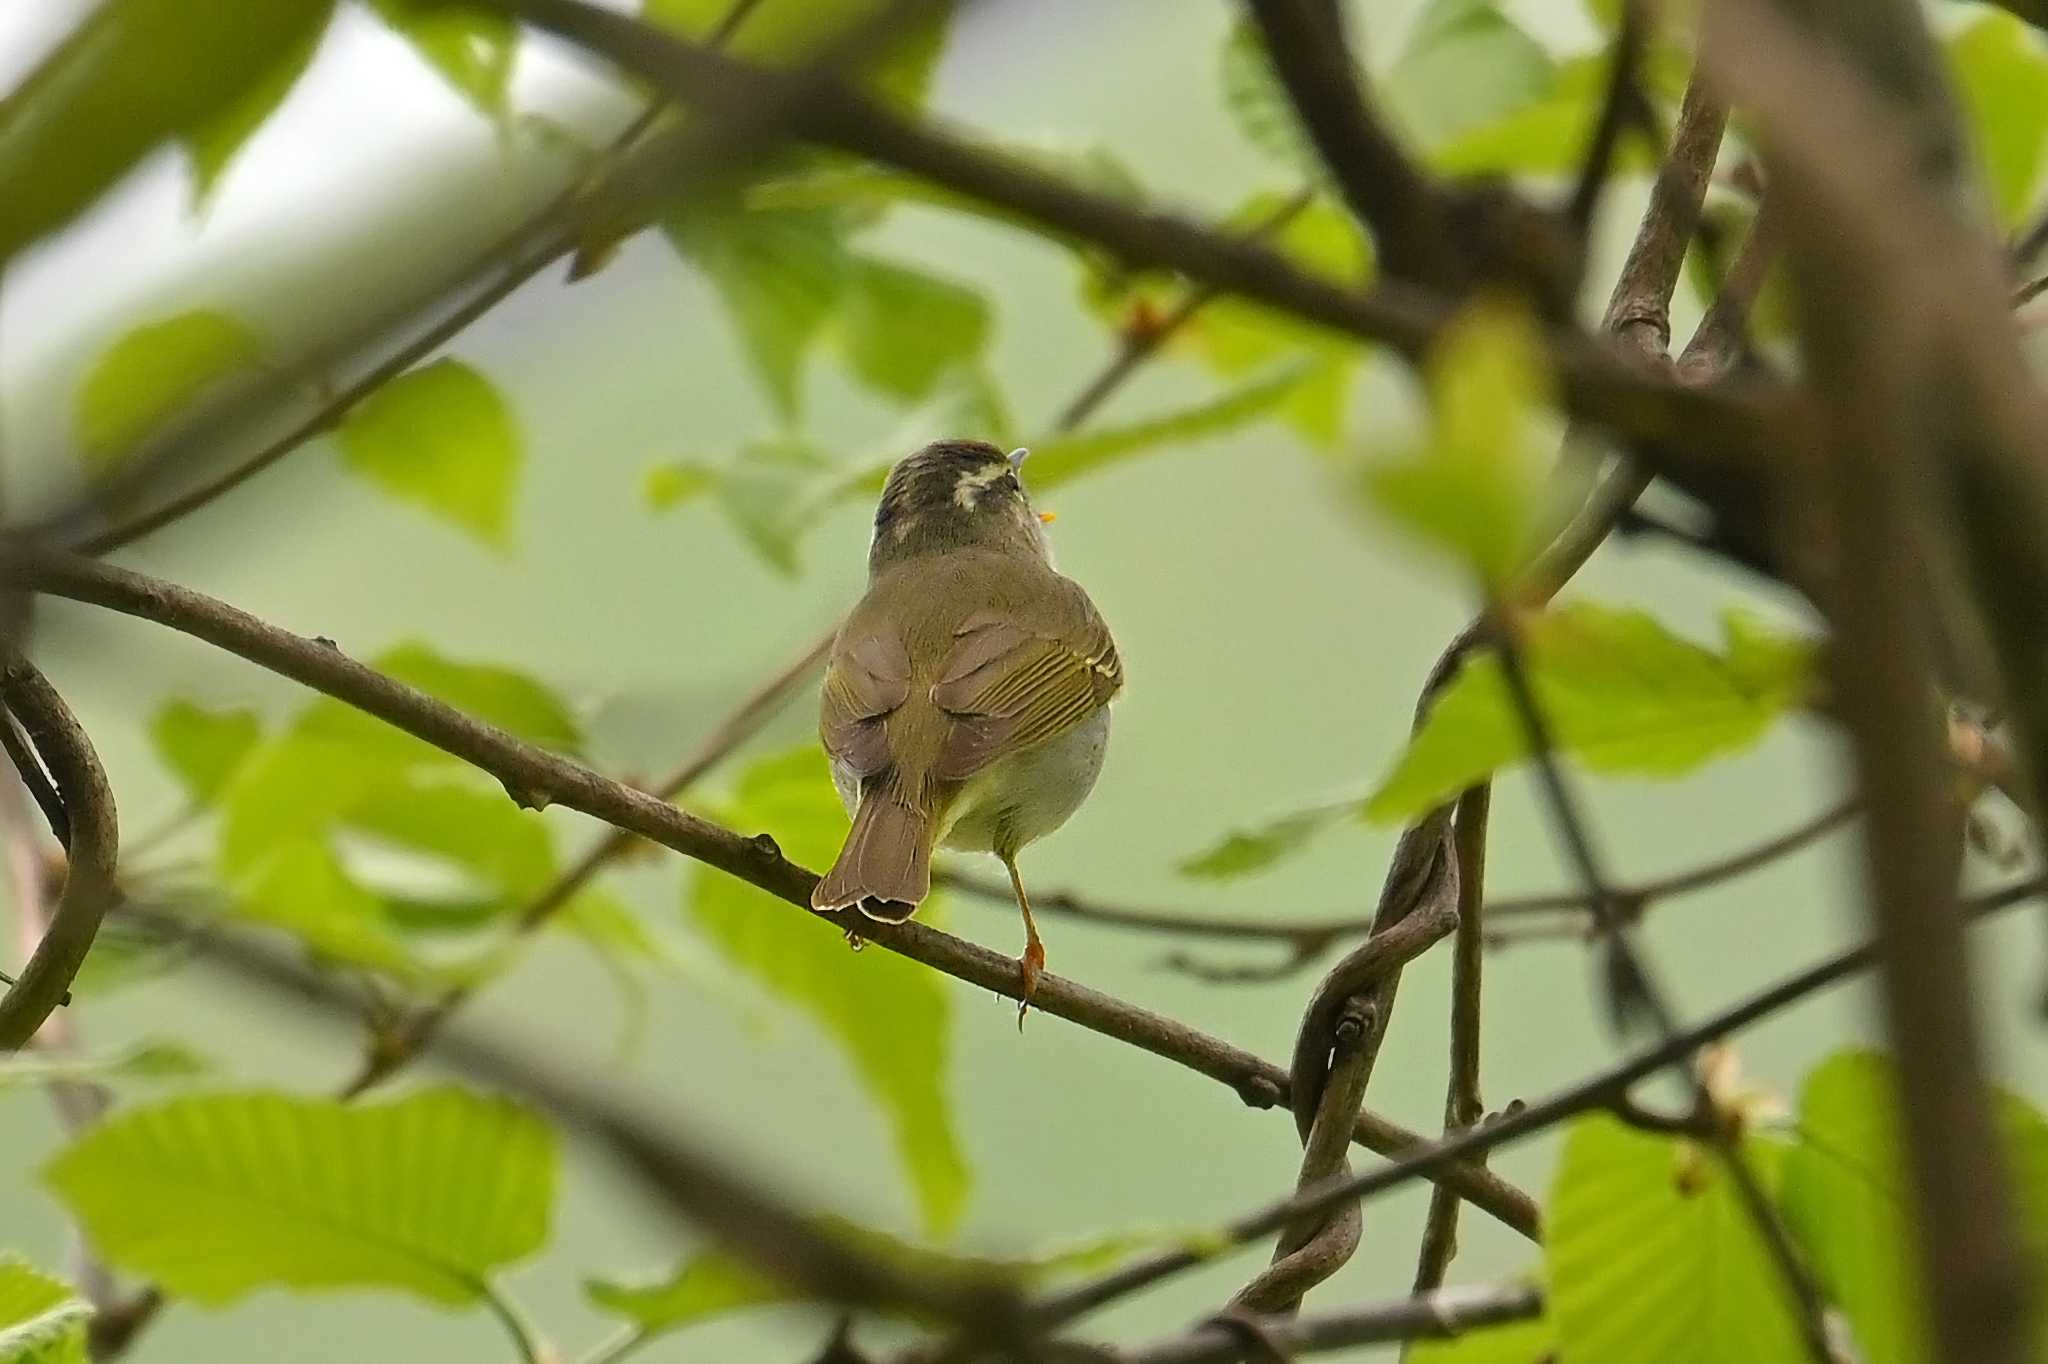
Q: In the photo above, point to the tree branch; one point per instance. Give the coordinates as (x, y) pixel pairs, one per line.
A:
(91, 854)
(1426, 1316)
(538, 778)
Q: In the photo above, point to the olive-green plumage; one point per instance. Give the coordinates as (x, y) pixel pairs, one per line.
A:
(966, 701)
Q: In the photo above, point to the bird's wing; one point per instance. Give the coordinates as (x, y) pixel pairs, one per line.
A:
(1014, 679)
(867, 678)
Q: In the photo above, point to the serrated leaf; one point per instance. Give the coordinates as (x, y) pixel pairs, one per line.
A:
(155, 374)
(780, 276)
(1620, 693)
(42, 1319)
(473, 50)
(214, 144)
(203, 746)
(135, 74)
(442, 438)
(147, 1061)
(2000, 67)
(1650, 1254)
(217, 1196)
(1055, 461)
(891, 1017)
(1846, 1200)
(1522, 1342)
(1244, 851)
(790, 35)
(1475, 489)
(903, 330)
(715, 1284)
(1465, 64)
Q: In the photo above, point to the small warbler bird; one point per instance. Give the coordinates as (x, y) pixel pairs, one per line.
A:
(967, 698)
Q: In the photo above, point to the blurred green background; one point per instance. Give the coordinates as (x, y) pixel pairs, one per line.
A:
(1274, 638)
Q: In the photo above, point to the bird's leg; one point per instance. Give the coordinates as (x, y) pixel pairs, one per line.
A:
(1033, 960)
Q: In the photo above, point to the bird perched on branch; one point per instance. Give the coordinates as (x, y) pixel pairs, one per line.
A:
(966, 703)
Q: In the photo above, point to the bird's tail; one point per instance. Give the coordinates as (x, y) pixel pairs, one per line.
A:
(885, 869)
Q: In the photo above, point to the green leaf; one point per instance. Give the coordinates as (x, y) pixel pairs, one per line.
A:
(1621, 694)
(214, 1197)
(505, 697)
(472, 49)
(791, 35)
(442, 437)
(1244, 851)
(2000, 67)
(135, 74)
(504, 849)
(1257, 101)
(1650, 1254)
(1055, 461)
(303, 889)
(1476, 487)
(42, 1320)
(864, 189)
(213, 144)
(891, 1016)
(203, 746)
(1465, 64)
(671, 485)
(146, 1061)
(1846, 1200)
(715, 1284)
(1523, 1342)
(155, 374)
(903, 329)
(1549, 136)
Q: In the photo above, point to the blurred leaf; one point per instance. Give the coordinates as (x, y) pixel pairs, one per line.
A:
(1245, 851)
(1549, 136)
(1257, 101)
(500, 696)
(302, 889)
(891, 1016)
(1465, 65)
(1055, 461)
(790, 35)
(154, 374)
(1650, 1254)
(866, 188)
(135, 74)
(716, 1284)
(148, 1061)
(472, 49)
(504, 848)
(1475, 489)
(214, 143)
(217, 1196)
(670, 485)
(2000, 68)
(1523, 1342)
(781, 276)
(42, 1320)
(203, 746)
(295, 787)
(1847, 1203)
(440, 436)
(902, 329)
(1621, 694)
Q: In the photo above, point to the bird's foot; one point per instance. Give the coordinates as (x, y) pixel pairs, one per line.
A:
(1031, 965)
(855, 940)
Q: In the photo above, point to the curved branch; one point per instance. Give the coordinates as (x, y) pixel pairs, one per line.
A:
(536, 778)
(93, 851)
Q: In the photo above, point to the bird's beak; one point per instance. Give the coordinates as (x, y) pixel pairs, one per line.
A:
(1018, 456)
(1047, 518)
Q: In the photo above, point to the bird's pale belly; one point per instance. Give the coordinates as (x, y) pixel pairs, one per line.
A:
(1021, 797)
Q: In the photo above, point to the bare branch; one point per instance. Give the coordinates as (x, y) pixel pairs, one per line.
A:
(1426, 1316)
(92, 852)
(1623, 104)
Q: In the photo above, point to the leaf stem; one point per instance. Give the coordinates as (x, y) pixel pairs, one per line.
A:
(526, 1337)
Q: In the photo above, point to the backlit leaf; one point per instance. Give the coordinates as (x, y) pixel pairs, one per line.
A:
(505, 697)
(1650, 1254)
(2000, 66)
(441, 437)
(214, 143)
(147, 1061)
(303, 889)
(155, 374)
(135, 74)
(203, 746)
(891, 1016)
(903, 329)
(473, 49)
(1465, 64)
(1244, 851)
(789, 35)
(1523, 1342)
(42, 1320)
(1620, 693)
(217, 1196)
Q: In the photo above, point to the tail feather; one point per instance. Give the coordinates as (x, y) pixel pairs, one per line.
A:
(885, 869)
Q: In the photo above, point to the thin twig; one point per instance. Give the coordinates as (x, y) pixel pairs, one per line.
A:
(1426, 1316)
(1624, 103)
(37, 782)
